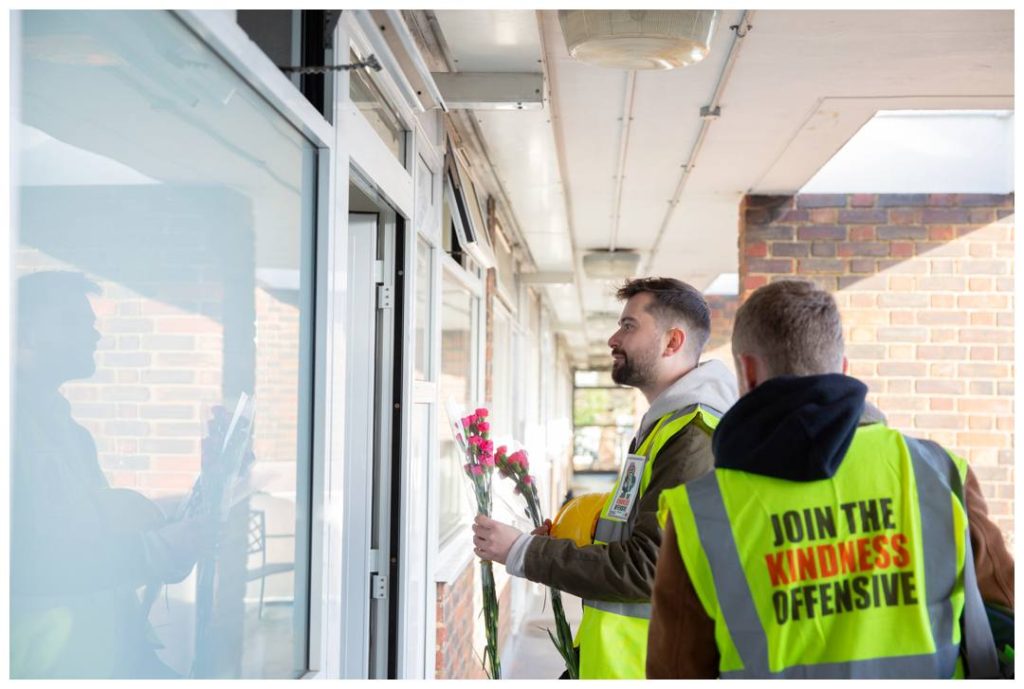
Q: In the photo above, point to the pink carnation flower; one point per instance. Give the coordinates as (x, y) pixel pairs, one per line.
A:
(527, 479)
(481, 412)
(476, 470)
(475, 440)
(483, 426)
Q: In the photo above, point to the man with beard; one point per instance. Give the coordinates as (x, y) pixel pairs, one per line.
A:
(662, 331)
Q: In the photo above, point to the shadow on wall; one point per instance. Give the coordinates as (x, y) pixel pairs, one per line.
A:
(925, 286)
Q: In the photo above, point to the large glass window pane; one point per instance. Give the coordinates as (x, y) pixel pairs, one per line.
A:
(458, 385)
(161, 425)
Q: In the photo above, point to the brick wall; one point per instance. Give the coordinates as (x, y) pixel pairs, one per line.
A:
(460, 641)
(925, 286)
(723, 313)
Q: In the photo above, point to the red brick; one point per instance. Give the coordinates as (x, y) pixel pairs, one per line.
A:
(823, 216)
(942, 266)
(888, 200)
(862, 200)
(983, 353)
(983, 318)
(981, 250)
(901, 318)
(904, 216)
(941, 403)
(941, 233)
(942, 301)
(756, 249)
(752, 282)
(769, 232)
(901, 249)
(942, 199)
(862, 234)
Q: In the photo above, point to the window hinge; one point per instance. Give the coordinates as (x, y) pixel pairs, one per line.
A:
(378, 271)
(378, 586)
(385, 296)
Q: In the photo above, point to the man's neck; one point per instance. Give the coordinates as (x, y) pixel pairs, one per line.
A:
(654, 391)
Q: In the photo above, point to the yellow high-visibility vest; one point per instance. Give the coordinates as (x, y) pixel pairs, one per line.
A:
(612, 637)
(859, 575)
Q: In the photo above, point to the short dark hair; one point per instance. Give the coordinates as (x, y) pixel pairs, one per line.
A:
(673, 300)
(793, 325)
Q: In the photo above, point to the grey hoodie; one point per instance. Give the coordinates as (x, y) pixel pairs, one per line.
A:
(710, 384)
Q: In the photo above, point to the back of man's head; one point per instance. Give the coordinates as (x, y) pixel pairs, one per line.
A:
(674, 303)
(793, 326)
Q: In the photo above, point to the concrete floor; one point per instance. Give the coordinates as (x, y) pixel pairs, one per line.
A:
(531, 655)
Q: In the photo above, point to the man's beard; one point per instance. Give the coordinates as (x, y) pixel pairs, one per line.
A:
(637, 372)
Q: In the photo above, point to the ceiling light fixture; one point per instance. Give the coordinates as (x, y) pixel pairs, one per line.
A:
(610, 265)
(638, 39)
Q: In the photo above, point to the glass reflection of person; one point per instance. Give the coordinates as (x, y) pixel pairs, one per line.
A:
(80, 550)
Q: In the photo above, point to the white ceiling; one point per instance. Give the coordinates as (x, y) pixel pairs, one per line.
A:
(802, 84)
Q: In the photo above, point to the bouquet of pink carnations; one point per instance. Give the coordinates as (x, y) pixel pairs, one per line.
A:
(472, 433)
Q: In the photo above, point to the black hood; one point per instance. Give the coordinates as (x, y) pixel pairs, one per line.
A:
(796, 428)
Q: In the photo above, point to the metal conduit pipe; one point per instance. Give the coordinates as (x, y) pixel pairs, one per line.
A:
(407, 41)
(627, 125)
(739, 34)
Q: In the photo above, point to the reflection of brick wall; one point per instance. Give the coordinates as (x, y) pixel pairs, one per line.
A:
(925, 285)
(275, 433)
(457, 656)
(157, 368)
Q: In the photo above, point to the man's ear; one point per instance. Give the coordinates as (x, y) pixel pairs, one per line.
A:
(748, 370)
(675, 342)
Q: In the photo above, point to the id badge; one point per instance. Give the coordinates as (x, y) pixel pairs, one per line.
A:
(627, 488)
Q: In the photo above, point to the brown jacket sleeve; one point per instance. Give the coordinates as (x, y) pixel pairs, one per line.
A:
(681, 639)
(622, 572)
(992, 561)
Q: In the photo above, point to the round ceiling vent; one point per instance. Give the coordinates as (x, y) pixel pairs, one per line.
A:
(638, 39)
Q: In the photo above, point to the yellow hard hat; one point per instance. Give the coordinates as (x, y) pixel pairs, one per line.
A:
(577, 520)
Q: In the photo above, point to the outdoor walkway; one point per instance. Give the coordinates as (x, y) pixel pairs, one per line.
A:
(531, 654)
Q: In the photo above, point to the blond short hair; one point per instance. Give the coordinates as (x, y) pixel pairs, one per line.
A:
(794, 326)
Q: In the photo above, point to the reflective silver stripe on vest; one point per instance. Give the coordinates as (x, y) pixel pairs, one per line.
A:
(899, 667)
(934, 493)
(609, 531)
(639, 610)
(731, 585)
(740, 613)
